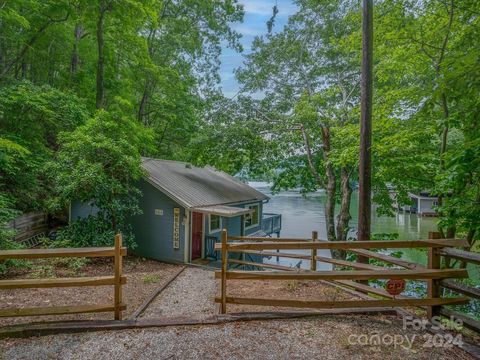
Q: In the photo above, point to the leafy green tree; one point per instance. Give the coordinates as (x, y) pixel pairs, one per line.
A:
(10, 156)
(231, 138)
(31, 117)
(99, 163)
(310, 75)
(426, 81)
(149, 65)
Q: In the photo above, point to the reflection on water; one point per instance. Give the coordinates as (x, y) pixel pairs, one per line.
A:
(301, 215)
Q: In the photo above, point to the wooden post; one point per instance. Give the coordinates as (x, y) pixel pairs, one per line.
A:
(433, 288)
(365, 163)
(223, 287)
(278, 251)
(313, 261)
(118, 277)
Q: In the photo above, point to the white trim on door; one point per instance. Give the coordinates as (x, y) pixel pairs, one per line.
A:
(202, 249)
(202, 242)
(187, 236)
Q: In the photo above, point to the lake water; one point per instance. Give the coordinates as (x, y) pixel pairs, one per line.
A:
(302, 215)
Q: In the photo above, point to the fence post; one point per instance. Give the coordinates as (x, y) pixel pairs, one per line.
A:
(313, 261)
(278, 250)
(118, 277)
(224, 272)
(433, 288)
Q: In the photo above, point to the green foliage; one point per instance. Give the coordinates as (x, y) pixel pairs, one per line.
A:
(99, 163)
(93, 231)
(161, 98)
(154, 62)
(6, 232)
(151, 278)
(7, 242)
(425, 120)
(31, 118)
(36, 114)
(309, 73)
(43, 271)
(231, 139)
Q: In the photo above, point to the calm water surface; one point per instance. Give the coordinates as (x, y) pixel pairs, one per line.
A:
(302, 215)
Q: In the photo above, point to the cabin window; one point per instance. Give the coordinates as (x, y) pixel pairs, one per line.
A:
(215, 223)
(252, 219)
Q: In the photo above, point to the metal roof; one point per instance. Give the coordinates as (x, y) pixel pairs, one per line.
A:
(193, 186)
(223, 210)
(421, 196)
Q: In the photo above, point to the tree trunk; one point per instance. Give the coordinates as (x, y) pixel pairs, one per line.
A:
(143, 113)
(101, 57)
(311, 163)
(450, 233)
(28, 45)
(77, 35)
(143, 104)
(443, 104)
(344, 216)
(331, 186)
(24, 70)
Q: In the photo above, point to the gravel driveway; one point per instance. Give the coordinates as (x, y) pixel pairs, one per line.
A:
(320, 338)
(191, 293)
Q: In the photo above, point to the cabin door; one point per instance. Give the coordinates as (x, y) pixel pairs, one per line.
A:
(197, 235)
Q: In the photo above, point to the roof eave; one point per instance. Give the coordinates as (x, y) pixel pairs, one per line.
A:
(190, 206)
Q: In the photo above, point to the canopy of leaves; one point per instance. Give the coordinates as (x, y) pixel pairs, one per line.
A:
(86, 88)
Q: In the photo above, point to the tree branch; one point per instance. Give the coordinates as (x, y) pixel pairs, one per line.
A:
(30, 43)
(311, 164)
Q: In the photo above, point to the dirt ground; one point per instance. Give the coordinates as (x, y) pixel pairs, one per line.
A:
(291, 290)
(143, 277)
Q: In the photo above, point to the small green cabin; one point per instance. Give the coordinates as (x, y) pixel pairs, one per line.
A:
(185, 208)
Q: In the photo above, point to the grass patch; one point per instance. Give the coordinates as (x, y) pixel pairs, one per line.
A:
(291, 285)
(151, 278)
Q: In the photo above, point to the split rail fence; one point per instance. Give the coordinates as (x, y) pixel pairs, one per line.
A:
(435, 276)
(117, 280)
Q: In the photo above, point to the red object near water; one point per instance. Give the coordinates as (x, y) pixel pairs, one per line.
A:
(395, 287)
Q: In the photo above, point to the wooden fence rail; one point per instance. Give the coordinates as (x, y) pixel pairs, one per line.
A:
(117, 280)
(435, 276)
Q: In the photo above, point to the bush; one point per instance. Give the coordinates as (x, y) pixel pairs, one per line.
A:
(7, 234)
(91, 231)
(100, 163)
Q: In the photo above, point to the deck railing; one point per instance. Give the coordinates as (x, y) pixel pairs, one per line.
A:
(433, 274)
(117, 280)
(271, 223)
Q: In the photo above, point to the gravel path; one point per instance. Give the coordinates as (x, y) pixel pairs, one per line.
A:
(191, 293)
(325, 338)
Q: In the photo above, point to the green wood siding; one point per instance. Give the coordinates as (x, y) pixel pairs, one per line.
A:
(154, 233)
